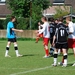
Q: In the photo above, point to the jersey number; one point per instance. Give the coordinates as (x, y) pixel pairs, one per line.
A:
(62, 32)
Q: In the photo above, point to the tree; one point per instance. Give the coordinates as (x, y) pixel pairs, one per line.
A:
(19, 7)
(62, 11)
(37, 7)
(27, 8)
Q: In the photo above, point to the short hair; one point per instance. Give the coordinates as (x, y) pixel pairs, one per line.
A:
(57, 19)
(68, 18)
(52, 19)
(44, 18)
(12, 17)
(60, 19)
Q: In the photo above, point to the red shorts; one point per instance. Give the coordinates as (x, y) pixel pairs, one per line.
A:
(71, 43)
(45, 41)
(41, 35)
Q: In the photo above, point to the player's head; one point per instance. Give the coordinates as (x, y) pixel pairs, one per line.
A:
(68, 19)
(13, 19)
(52, 19)
(60, 19)
(43, 19)
(56, 21)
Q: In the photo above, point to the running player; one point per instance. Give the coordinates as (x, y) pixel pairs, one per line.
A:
(12, 37)
(71, 37)
(46, 35)
(61, 35)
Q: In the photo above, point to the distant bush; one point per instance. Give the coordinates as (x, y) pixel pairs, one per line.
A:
(1, 24)
(21, 23)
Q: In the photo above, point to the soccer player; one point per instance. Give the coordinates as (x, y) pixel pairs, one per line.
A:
(41, 35)
(46, 35)
(52, 32)
(71, 37)
(11, 36)
(61, 35)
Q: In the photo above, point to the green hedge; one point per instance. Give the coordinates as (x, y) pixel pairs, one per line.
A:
(2, 24)
(21, 23)
(20, 39)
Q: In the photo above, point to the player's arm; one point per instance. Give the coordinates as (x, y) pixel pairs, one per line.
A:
(12, 28)
(17, 30)
(42, 30)
(53, 43)
(54, 37)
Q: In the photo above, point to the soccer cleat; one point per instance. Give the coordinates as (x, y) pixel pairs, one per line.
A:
(7, 56)
(46, 56)
(54, 65)
(19, 55)
(73, 64)
(64, 65)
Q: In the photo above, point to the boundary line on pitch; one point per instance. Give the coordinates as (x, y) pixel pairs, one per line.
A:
(34, 70)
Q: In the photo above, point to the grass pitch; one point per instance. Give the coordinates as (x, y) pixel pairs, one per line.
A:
(32, 63)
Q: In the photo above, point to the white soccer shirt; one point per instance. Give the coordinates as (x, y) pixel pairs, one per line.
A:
(45, 30)
(72, 30)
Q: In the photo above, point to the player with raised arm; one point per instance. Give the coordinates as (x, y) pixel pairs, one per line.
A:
(61, 35)
(46, 35)
(11, 36)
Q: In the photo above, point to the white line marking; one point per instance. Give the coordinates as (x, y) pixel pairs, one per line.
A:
(34, 70)
(31, 70)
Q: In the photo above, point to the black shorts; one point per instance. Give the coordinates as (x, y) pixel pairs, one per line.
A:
(12, 40)
(61, 46)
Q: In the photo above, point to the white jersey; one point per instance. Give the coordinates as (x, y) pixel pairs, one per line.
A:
(45, 30)
(72, 30)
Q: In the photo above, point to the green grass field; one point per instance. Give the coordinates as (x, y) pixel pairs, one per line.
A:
(32, 63)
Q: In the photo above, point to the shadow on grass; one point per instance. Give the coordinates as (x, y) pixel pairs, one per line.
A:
(69, 65)
(69, 54)
(28, 55)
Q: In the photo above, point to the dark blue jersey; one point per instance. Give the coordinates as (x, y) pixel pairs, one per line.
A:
(52, 30)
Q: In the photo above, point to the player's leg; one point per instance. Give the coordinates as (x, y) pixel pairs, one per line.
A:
(37, 37)
(51, 47)
(46, 41)
(7, 49)
(16, 47)
(61, 63)
(65, 51)
(65, 57)
(46, 50)
(55, 57)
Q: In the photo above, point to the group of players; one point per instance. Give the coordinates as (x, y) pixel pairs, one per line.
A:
(60, 35)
